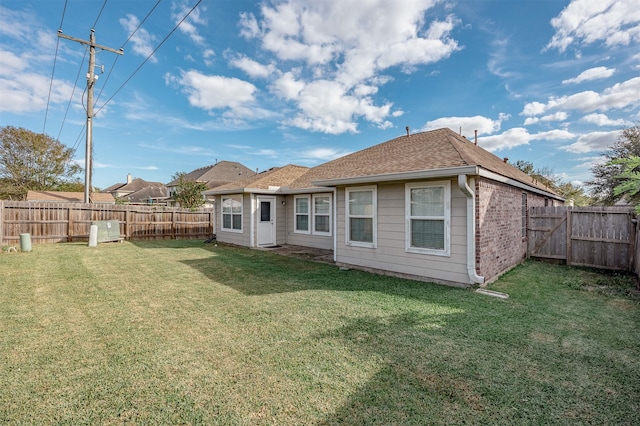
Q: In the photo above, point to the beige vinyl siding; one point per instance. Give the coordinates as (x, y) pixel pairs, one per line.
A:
(281, 220)
(300, 239)
(225, 236)
(390, 254)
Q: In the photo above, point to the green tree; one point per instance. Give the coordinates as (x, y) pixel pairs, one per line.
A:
(188, 193)
(545, 175)
(606, 176)
(33, 161)
(628, 180)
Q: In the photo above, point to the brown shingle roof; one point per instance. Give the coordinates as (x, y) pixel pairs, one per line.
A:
(69, 197)
(274, 177)
(436, 149)
(220, 173)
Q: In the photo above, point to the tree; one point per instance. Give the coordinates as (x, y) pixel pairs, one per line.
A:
(629, 180)
(606, 176)
(546, 176)
(188, 193)
(33, 161)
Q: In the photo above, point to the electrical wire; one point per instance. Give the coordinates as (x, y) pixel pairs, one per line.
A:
(122, 47)
(75, 84)
(55, 59)
(150, 55)
(99, 13)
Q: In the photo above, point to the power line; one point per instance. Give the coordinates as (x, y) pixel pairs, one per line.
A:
(122, 47)
(99, 13)
(75, 84)
(55, 58)
(150, 55)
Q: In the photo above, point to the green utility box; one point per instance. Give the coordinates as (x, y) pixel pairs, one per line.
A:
(108, 230)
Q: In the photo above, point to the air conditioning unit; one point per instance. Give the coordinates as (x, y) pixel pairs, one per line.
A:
(108, 230)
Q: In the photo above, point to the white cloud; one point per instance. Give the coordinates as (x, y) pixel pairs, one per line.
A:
(23, 91)
(584, 22)
(618, 96)
(595, 141)
(518, 136)
(215, 92)
(188, 26)
(603, 120)
(484, 125)
(251, 67)
(141, 40)
(558, 116)
(323, 154)
(342, 47)
(591, 74)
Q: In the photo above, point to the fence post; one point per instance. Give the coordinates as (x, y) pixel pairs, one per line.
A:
(69, 224)
(173, 224)
(1, 224)
(568, 224)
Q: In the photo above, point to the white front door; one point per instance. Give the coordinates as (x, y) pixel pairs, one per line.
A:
(266, 221)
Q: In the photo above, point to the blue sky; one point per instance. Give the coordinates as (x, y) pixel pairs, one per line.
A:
(305, 81)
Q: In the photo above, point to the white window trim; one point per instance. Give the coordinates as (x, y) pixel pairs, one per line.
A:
(330, 214)
(447, 218)
(348, 190)
(238, 197)
(295, 214)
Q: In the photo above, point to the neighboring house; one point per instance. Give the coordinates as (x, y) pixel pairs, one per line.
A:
(69, 197)
(215, 175)
(139, 191)
(431, 206)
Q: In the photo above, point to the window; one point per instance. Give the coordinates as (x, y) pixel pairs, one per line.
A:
(322, 214)
(302, 215)
(232, 213)
(428, 217)
(361, 216)
(524, 215)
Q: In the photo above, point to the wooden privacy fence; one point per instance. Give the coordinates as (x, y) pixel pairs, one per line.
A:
(600, 237)
(66, 222)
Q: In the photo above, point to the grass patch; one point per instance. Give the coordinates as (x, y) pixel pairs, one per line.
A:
(181, 332)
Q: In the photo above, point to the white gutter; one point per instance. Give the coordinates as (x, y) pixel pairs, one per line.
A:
(471, 229)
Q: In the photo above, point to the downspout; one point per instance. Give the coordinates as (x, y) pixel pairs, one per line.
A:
(471, 230)
(252, 239)
(335, 224)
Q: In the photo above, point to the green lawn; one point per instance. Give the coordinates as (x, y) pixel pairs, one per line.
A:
(179, 332)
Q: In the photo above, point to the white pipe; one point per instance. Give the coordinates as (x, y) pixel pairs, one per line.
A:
(471, 230)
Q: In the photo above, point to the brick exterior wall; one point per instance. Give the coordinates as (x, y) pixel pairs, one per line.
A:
(499, 242)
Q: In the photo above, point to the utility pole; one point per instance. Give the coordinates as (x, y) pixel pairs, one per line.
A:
(91, 79)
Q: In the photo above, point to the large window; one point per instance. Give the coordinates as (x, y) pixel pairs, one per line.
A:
(232, 213)
(302, 214)
(322, 214)
(428, 217)
(361, 216)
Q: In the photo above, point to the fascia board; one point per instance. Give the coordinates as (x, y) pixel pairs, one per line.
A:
(387, 177)
(500, 178)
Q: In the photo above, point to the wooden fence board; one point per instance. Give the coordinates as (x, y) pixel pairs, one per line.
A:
(601, 237)
(66, 222)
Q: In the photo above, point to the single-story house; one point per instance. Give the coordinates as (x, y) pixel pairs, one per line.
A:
(213, 176)
(138, 191)
(432, 206)
(69, 197)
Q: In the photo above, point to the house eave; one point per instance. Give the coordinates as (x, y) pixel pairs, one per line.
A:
(312, 190)
(390, 177)
(516, 183)
(242, 191)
